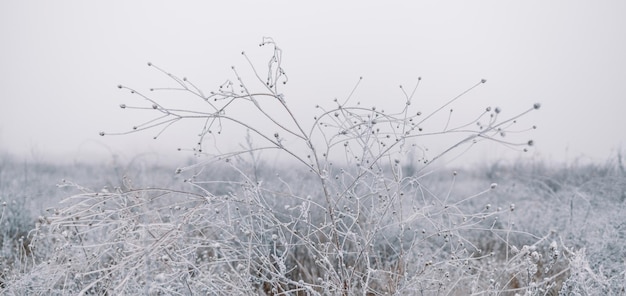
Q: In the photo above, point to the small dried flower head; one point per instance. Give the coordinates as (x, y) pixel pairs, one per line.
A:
(494, 185)
(276, 135)
(483, 80)
(102, 133)
(537, 105)
(531, 142)
(525, 250)
(512, 207)
(488, 109)
(535, 256)
(119, 86)
(553, 246)
(498, 110)
(154, 106)
(123, 106)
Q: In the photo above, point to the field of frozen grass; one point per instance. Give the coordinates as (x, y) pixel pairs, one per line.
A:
(541, 231)
(359, 204)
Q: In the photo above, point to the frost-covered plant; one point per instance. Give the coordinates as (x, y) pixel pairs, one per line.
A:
(14, 241)
(350, 212)
(584, 280)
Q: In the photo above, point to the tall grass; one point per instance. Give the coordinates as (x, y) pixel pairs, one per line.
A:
(356, 207)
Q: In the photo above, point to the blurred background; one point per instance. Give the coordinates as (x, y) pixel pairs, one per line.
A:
(61, 62)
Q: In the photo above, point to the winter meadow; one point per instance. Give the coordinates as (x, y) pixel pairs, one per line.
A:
(349, 199)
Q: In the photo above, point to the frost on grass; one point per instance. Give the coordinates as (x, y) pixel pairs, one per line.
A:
(361, 208)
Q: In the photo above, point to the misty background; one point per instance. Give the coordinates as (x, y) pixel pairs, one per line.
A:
(61, 62)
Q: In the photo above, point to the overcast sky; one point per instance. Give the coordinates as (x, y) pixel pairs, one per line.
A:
(60, 63)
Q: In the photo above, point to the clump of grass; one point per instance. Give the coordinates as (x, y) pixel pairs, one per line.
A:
(14, 240)
(352, 213)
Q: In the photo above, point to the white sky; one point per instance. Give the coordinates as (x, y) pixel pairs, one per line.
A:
(60, 62)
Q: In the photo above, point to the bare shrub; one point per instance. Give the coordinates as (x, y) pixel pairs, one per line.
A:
(350, 210)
